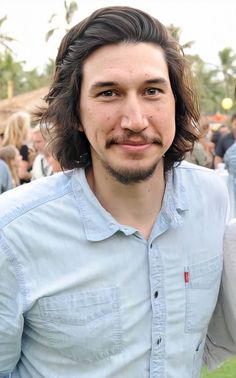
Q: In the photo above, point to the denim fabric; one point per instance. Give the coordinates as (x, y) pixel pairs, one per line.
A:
(84, 296)
(221, 338)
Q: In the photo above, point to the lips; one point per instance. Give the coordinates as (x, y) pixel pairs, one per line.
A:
(134, 143)
(145, 142)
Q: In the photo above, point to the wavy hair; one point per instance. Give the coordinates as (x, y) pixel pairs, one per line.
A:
(17, 129)
(106, 26)
(9, 154)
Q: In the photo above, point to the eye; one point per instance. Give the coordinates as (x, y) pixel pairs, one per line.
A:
(152, 91)
(108, 93)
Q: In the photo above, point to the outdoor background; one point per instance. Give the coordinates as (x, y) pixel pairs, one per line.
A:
(31, 30)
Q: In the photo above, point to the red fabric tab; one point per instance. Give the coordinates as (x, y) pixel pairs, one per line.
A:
(186, 277)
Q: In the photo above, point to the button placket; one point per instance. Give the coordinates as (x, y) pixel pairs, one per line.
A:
(159, 340)
(156, 294)
(158, 310)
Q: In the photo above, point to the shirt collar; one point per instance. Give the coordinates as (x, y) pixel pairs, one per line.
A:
(175, 201)
(99, 224)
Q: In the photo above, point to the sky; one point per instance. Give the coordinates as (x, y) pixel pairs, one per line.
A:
(211, 24)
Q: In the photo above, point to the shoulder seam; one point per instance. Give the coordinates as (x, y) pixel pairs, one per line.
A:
(22, 211)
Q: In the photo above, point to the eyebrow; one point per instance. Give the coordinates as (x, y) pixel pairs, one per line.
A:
(158, 80)
(103, 84)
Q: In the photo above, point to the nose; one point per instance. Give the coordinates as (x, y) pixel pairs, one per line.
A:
(132, 115)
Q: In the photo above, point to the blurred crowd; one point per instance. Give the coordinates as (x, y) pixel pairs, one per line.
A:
(24, 152)
(214, 141)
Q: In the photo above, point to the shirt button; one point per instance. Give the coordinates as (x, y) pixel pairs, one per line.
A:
(159, 340)
(151, 246)
(156, 294)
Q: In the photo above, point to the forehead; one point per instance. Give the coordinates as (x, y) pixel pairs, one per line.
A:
(126, 59)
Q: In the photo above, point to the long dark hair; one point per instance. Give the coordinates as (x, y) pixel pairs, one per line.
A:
(112, 25)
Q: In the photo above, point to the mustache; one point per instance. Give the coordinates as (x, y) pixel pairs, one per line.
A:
(132, 138)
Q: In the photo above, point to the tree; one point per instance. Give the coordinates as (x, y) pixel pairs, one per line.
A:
(209, 86)
(228, 69)
(24, 81)
(10, 71)
(176, 31)
(4, 38)
(213, 82)
(70, 9)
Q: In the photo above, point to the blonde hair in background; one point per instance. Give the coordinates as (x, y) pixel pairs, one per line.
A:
(17, 129)
(10, 154)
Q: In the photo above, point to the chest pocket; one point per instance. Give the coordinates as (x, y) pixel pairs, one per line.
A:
(83, 326)
(202, 291)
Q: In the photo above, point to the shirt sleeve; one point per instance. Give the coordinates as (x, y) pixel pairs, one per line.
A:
(11, 314)
(221, 339)
(5, 178)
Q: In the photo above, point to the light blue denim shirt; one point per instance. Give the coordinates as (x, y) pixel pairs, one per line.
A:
(84, 296)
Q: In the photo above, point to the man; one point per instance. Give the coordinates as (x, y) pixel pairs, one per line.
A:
(112, 269)
(41, 166)
(225, 142)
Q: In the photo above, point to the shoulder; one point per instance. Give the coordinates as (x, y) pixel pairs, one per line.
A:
(37, 164)
(198, 172)
(230, 232)
(230, 150)
(226, 137)
(24, 198)
(202, 182)
(3, 166)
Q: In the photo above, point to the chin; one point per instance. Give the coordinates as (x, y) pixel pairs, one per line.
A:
(127, 175)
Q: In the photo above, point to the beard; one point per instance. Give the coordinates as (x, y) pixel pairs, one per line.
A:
(130, 176)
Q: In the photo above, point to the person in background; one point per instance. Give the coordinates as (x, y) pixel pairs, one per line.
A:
(1, 137)
(229, 162)
(216, 135)
(219, 133)
(113, 268)
(41, 166)
(202, 150)
(223, 323)
(5, 177)
(17, 134)
(225, 142)
(12, 158)
(54, 163)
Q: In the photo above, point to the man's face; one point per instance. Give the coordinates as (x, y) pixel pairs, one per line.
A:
(38, 141)
(127, 110)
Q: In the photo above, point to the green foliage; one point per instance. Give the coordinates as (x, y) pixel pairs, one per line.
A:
(24, 81)
(70, 10)
(213, 82)
(4, 38)
(228, 370)
(50, 33)
(175, 31)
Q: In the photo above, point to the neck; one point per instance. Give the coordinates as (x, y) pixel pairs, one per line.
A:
(135, 205)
